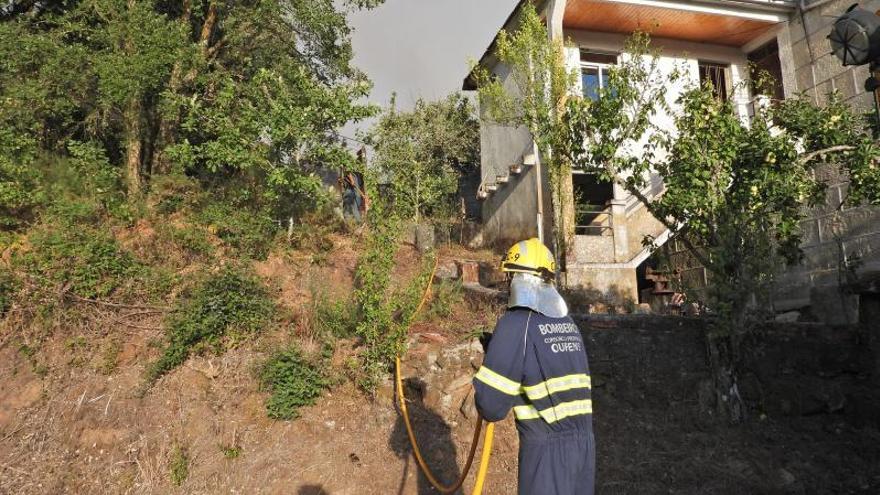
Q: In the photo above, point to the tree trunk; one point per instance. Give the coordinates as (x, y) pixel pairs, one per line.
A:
(723, 348)
(133, 147)
(566, 200)
(722, 362)
(167, 125)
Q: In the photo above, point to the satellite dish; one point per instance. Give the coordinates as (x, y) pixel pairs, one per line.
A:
(855, 37)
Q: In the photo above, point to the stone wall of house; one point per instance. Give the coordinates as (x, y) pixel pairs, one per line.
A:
(838, 245)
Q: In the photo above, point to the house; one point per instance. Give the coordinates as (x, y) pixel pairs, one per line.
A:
(715, 40)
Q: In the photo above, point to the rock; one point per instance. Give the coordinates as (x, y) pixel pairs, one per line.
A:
(484, 293)
(476, 362)
(433, 337)
(445, 402)
(490, 274)
(706, 395)
(424, 238)
(469, 271)
(468, 407)
(385, 393)
(431, 359)
(643, 309)
(740, 468)
(433, 398)
(597, 308)
(458, 382)
(446, 270)
(443, 361)
(784, 478)
(691, 309)
(789, 317)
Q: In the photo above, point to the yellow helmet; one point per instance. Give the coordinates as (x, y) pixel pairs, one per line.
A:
(529, 256)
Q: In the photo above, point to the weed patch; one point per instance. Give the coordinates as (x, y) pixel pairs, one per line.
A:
(249, 233)
(109, 357)
(191, 238)
(225, 308)
(445, 297)
(85, 260)
(230, 451)
(292, 381)
(9, 286)
(179, 465)
(337, 318)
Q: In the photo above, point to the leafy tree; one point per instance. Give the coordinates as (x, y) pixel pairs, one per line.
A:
(245, 91)
(423, 152)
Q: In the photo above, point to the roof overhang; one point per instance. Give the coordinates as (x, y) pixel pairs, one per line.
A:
(721, 22)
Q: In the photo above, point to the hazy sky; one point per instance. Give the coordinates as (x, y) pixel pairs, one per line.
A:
(421, 48)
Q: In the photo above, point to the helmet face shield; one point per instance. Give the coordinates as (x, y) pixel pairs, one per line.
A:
(531, 291)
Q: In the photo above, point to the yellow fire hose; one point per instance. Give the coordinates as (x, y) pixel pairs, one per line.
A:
(484, 459)
(487, 440)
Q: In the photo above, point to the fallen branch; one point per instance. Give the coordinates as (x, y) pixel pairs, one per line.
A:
(157, 309)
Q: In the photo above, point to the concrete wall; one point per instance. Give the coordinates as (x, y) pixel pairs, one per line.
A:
(509, 214)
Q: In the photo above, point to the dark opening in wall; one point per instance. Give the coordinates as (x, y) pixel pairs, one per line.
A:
(591, 199)
(766, 60)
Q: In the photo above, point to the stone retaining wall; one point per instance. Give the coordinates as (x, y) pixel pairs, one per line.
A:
(787, 369)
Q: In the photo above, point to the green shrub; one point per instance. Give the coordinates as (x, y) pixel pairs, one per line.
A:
(225, 308)
(230, 451)
(85, 259)
(179, 465)
(446, 296)
(192, 238)
(9, 285)
(96, 178)
(293, 382)
(384, 316)
(20, 191)
(337, 318)
(250, 233)
(174, 192)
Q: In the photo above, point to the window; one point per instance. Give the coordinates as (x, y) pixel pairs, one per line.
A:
(716, 75)
(594, 72)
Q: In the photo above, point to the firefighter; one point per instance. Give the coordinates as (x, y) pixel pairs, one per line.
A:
(536, 364)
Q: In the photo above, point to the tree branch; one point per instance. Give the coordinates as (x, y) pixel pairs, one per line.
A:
(208, 26)
(832, 149)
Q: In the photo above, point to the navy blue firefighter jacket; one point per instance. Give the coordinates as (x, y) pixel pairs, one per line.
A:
(537, 366)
